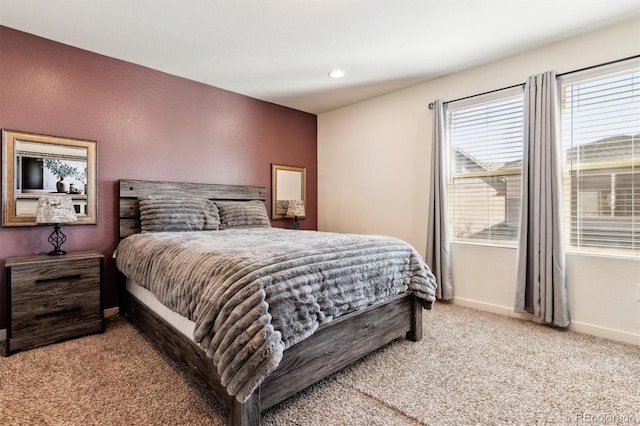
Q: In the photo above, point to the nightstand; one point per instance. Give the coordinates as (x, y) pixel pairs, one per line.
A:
(52, 298)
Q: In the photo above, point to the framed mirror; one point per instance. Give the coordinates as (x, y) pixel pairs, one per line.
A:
(287, 183)
(33, 165)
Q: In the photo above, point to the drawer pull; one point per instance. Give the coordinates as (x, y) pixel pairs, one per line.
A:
(57, 279)
(59, 313)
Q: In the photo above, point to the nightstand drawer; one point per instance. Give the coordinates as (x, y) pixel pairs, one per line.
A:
(43, 315)
(53, 298)
(51, 280)
(31, 340)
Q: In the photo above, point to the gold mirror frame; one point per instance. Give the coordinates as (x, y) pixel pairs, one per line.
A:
(18, 202)
(287, 183)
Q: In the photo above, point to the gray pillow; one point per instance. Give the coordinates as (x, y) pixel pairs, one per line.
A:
(243, 214)
(173, 213)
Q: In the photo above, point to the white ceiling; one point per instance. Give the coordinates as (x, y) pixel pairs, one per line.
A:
(282, 50)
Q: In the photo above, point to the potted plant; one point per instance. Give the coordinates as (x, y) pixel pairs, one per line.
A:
(60, 170)
(80, 184)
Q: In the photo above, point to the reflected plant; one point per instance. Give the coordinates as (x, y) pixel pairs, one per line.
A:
(60, 169)
(82, 176)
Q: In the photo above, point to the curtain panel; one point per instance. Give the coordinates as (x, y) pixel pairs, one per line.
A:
(540, 280)
(438, 247)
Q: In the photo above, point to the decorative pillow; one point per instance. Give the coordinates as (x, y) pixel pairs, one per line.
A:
(172, 213)
(243, 214)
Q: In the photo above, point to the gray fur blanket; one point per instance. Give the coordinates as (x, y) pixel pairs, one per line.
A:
(254, 292)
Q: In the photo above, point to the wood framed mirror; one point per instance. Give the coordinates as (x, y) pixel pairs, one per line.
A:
(287, 183)
(33, 165)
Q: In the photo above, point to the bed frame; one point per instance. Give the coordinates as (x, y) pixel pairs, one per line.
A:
(332, 347)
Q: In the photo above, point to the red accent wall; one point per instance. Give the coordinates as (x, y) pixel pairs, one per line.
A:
(148, 125)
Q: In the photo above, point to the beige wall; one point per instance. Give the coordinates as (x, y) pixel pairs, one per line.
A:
(373, 177)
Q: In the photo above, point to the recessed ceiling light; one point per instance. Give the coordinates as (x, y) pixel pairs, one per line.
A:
(336, 74)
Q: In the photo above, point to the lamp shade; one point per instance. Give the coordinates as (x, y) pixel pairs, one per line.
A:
(295, 208)
(55, 209)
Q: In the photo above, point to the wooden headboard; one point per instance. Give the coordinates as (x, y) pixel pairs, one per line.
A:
(130, 190)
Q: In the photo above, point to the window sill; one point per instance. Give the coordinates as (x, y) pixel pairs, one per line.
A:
(571, 252)
(603, 253)
(485, 244)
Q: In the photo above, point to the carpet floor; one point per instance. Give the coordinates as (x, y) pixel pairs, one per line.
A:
(471, 368)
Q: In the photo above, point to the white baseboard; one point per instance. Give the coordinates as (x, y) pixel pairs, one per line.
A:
(488, 307)
(108, 313)
(594, 330)
(607, 333)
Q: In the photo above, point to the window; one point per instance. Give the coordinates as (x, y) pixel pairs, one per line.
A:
(484, 138)
(601, 157)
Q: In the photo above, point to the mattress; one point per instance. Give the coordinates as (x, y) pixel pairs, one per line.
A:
(184, 325)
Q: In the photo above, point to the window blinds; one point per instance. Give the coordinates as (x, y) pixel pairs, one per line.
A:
(484, 138)
(601, 157)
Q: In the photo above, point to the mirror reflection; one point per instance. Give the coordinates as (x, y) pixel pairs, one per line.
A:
(34, 165)
(287, 183)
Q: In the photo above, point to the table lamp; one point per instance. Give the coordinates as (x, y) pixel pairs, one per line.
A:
(295, 208)
(56, 209)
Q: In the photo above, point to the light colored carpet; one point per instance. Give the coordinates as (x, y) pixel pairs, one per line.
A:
(471, 367)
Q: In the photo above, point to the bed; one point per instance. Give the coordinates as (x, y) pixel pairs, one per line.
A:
(292, 352)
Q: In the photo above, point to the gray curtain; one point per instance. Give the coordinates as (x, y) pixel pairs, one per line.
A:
(438, 255)
(540, 285)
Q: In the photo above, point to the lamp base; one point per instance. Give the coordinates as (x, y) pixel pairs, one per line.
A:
(57, 252)
(296, 223)
(57, 238)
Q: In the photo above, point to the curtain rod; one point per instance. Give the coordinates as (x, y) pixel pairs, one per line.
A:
(599, 65)
(432, 105)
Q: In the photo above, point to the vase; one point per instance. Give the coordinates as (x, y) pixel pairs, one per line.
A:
(62, 186)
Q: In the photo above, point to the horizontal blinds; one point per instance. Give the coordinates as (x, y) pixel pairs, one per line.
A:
(485, 148)
(601, 157)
